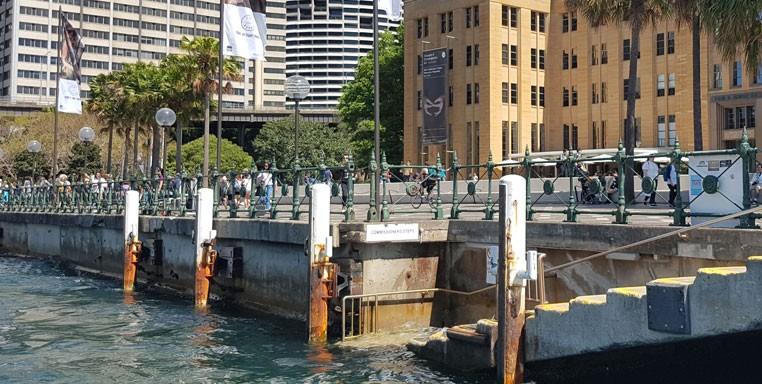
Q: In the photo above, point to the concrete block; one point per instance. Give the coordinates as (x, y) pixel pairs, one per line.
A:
(668, 305)
(754, 266)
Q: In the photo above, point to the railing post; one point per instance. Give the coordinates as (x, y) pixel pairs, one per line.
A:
(489, 213)
(253, 198)
(273, 176)
(528, 178)
(295, 202)
(372, 214)
(621, 210)
(234, 204)
(455, 209)
(438, 210)
(571, 210)
(216, 193)
(678, 215)
(349, 168)
(384, 202)
(748, 156)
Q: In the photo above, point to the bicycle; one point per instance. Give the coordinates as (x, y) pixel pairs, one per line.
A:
(418, 195)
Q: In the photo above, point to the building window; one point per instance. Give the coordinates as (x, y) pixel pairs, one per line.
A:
(574, 21)
(442, 23)
(514, 137)
(574, 96)
(476, 54)
(514, 55)
(420, 64)
(565, 60)
(469, 143)
(450, 58)
(594, 93)
(604, 54)
(758, 75)
(533, 58)
(573, 60)
(603, 92)
(542, 137)
(575, 137)
(476, 16)
(534, 137)
(542, 96)
(505, 93)
(565, 23)
(626, 49)
(419, 30)
(419, 101)
(660, 85)
(670, 42)
(476, 93)
(741, 117)
(566, 136)
(565, 97)
(717, 76)
(450, 21)
(594, 55)
(477, 146)
(595, 136)
(533, 95)
(661, 132)
(468, 17)
(672, 84)
(450, 96)
(626, 89)
(729, 119)
(533, 21)
(514, 93)
(542, 59)
(468, 94)
(659, 44)
(504, 55)
(426, 26)
(672, 131)
(603, 134)
(514, 17)
(541, 22)
(506, 142)
(504, 16)
(737, 73)
(468, 56)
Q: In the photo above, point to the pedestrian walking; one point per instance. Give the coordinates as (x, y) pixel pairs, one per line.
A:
(651, 170)
(265, 186)
(670, 177)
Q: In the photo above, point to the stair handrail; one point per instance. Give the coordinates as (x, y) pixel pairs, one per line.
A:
(656, 238)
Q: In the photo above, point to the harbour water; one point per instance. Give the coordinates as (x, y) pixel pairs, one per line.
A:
(57, 326)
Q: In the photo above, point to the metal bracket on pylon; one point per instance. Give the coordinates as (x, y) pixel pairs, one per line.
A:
(205, 272)
(132, 250)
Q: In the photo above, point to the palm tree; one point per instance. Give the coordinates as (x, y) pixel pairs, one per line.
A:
(735, 25)
(638, 14)
(203, 56)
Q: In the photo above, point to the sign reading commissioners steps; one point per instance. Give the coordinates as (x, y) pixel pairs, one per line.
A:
(384, 233)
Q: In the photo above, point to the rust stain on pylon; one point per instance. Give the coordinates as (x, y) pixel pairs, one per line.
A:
(204, 274)
(132, 249)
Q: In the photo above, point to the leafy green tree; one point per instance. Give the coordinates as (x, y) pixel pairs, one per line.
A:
(638, 14)
(84, 158)
(234, 158)
(30, 164)
(356, 101)
(736, 28)
(317, 142)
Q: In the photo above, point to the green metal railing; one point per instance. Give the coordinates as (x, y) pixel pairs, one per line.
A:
(419, 190)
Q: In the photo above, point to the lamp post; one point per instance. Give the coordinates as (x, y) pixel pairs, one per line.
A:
(297, 88)
(166, 117)
(34, 147)
(86, 135)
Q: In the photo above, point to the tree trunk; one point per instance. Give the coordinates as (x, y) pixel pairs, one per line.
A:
(629, 129)
(205, 169)
(178, 148)
(698, 140)
(156, 146)
(135, 145)
(125, 153)
(110, 147)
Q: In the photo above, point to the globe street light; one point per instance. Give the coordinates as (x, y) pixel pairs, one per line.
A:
(86, 135)
(297, 88)
(34, 147)
(166, 117)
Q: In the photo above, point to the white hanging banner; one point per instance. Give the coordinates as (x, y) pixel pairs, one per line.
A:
(70, 53)
(245, 29)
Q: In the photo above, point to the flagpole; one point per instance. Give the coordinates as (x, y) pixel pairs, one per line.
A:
(219, 85)
(58, 93)
(376, 109)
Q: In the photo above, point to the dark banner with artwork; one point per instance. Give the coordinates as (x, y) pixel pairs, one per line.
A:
(434, 101)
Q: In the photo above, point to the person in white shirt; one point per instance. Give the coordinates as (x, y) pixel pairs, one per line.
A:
(651, 169)
(756, 185)
(265, 182)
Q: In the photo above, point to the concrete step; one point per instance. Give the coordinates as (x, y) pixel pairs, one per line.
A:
(754, 265)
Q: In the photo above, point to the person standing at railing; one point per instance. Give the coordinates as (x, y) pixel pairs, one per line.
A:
(406, 172)
(756, 185)
(265, 184)
(670, 177)
(651, 170)
(246, 188)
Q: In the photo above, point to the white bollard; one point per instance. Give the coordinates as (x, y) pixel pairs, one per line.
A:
(204, 221)
(516, 212)
(320, 222)
(131, 210)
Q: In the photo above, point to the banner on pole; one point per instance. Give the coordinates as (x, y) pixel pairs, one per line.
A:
(245, 29)
(70, 50)
(393, 8)
(434, 101)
